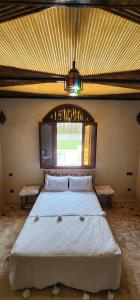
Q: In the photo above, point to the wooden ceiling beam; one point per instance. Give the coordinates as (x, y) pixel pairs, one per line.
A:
(131, 15)
(14, 76)
(8, 13)
(129, 79)
(17, 73)
(135, 75)
(95, 3)
(4, 82)
(12, 9)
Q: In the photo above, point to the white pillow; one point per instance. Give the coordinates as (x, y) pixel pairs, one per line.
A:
(56, 183)
(80, 183)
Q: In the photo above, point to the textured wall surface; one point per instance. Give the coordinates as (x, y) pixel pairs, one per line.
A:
(1, 177)
(138, 181)
(118, 143)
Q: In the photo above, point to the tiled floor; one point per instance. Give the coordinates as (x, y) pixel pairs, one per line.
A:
(125, 225)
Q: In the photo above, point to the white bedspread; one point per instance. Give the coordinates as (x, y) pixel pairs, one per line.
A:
(78, 253)
(70, 237)
(66, 203)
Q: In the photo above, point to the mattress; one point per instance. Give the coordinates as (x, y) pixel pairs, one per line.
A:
(77, 250)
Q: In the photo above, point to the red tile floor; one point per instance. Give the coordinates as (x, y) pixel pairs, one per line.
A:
(124, 221)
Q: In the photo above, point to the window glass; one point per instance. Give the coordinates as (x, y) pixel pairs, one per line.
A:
(69, 144)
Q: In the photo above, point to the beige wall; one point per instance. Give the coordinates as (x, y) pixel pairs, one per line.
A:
(118, 142)
(1, 176)
(138, 181)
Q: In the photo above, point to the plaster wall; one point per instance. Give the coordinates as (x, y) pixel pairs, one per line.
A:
(1, 177)
(138, 181)
(118, 143)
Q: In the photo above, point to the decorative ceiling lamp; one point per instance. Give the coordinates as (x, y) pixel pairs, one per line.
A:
(73, 84)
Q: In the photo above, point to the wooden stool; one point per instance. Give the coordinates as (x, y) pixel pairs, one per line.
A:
(106, 191)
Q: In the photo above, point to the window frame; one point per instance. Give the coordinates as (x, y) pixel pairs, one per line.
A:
(53, 123)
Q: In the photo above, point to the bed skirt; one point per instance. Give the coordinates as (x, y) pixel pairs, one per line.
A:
(89, 274)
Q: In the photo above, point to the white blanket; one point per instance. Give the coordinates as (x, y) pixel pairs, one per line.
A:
(78, 253)
(70, 237)
(66, 203)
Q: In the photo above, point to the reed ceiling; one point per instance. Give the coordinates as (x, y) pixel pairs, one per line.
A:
(46, 41)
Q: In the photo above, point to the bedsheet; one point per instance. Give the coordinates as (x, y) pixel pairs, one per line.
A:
(80, 253)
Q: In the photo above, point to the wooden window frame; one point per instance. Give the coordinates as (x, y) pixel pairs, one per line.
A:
(88, 120)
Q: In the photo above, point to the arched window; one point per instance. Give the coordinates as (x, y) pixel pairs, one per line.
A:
(68, 138)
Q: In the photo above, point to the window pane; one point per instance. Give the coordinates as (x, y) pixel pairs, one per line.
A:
(69, 144)
(46, 135)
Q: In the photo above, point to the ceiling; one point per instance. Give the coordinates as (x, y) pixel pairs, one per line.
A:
(39, 41)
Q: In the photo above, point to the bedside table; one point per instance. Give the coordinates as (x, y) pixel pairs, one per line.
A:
(26, 192)
(106, 191)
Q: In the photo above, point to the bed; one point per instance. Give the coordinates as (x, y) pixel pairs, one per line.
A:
(66, 239)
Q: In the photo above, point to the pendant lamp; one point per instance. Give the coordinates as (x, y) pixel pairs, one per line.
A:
(73, 83)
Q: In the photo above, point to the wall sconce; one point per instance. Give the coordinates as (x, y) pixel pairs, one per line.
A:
(2, 117)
